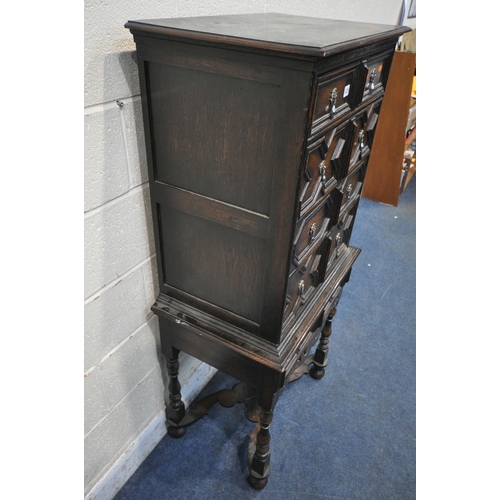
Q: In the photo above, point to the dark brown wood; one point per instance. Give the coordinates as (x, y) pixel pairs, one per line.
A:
(175, 407)
(376, 73)
(239, 393)
(320, 359)
(364, 124)
(235, 154)
(311, 230)
(258, 129)
(327, 160)
(213, 210)
(260, 464)
(286, 34)
(336, 95)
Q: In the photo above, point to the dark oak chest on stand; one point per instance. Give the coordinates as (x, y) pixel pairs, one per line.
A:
(258, 130)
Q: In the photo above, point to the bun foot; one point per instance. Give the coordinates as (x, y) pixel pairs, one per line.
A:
(257, 483)
(176, 432)
(252, 413)
(316, 372)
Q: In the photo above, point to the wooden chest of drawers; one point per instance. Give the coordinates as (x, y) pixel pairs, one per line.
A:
(258, 130)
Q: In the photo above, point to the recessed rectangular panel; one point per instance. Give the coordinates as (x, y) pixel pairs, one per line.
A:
(215, 263)
(377, 70)
(335, 96)
(214, 134)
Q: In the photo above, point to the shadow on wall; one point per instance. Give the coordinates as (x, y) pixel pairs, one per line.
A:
(120, 278)
(128, 60)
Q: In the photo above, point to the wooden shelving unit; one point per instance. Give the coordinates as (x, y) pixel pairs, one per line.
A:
(392, 161)
(410, 153)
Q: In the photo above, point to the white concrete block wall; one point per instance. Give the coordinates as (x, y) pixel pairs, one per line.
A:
(124, 375)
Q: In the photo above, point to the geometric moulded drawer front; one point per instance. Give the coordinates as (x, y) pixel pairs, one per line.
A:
(376, 71)
(302, 284)
(309, 230)
(364, 124)
(327, 162)
(336, 96)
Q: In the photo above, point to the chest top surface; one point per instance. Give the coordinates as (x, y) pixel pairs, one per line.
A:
(280, 32)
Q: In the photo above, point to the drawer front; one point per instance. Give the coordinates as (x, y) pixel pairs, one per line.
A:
(346, 194)
(303, 282)
(340, 236)
(351, 187)
(328, 264)
(301, 286)
(335, 96)
(327, 163)
(347, 222)
(364, 125)
(377, 71)
(311, 229)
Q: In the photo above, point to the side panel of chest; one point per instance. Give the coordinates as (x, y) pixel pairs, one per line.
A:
(226, 141)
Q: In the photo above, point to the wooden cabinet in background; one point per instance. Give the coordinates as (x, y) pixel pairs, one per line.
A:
(389, 170)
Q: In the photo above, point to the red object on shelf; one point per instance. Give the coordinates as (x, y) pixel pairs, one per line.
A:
(411, 137)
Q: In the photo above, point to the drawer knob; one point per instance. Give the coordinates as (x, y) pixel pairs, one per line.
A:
(312, 231)
(333, 102)
(302, 289)
(338, 241)
(371, 84)
(322, 171)
(361, 138)
(349, 191)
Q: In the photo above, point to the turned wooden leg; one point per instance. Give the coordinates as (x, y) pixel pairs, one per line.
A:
(260, 466)
(175, 407)
(320, 359)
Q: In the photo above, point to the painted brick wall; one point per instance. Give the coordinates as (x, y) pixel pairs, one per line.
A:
(124, 373)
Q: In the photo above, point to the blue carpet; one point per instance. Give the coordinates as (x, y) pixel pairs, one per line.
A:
(348, 436)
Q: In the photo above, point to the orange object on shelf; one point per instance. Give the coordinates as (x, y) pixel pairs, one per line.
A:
(411, 137)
